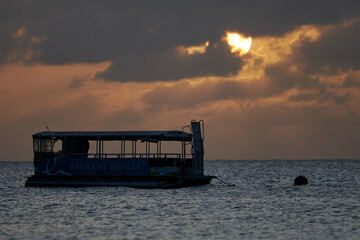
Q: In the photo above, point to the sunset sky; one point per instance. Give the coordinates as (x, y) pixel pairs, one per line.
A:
(271, 79)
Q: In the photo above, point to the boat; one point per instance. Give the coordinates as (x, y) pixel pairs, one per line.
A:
(120, 158)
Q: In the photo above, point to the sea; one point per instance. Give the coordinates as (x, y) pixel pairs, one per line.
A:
(250, 200)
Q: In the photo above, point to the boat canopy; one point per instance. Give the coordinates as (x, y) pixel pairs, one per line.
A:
(117, 135)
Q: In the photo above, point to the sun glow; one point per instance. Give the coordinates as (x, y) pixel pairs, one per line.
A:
(239, 43)
(197, 49)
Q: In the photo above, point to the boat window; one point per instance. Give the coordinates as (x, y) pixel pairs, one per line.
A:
(36, 145)
(75, 145)
(58, 147)
(43, 145)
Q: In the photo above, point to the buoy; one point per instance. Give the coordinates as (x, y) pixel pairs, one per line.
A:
(300, 180)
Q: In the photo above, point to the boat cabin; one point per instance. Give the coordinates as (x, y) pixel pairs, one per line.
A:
(175, 154)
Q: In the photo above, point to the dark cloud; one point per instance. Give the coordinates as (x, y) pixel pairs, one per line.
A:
(277, 80)
(16, 134)
(321, 97)
(339, 99)
(183, 95)
(280, 131)
(337, 49)
(172, 65)
(280, 78)
(303, 97)
(351, 81)
(77, 83)
(139, 37)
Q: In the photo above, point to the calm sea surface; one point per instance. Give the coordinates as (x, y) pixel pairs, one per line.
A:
(264, 204)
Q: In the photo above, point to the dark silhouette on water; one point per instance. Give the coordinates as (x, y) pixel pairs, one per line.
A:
(300, 180)
(73, 165)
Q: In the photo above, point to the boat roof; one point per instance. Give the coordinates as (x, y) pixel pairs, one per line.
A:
(118, 135)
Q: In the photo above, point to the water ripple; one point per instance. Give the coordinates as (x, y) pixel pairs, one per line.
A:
(264, 204)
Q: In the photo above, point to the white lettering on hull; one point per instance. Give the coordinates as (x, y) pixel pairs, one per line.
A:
(49, 169)
(125, 166)
(76, 166)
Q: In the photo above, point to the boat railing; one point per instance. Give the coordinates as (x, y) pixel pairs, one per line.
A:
(129, 155)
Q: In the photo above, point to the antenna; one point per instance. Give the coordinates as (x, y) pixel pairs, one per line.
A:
(47, 127)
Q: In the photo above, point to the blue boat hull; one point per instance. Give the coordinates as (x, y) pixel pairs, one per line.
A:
(128, 181)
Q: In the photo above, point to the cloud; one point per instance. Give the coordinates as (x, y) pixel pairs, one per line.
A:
(352, 80)
(134, 35)
(272, 68)
(33, 88)
(277, 131)
(130, 66)
(77, 83)
(26, 47)
(79, 115)
(186, 94)
(190, 50)
(336, 50)
(172, 65)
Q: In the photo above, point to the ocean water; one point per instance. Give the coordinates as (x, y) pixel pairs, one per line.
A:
(264, 204)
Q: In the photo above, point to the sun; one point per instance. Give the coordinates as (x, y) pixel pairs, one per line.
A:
(239, 43)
